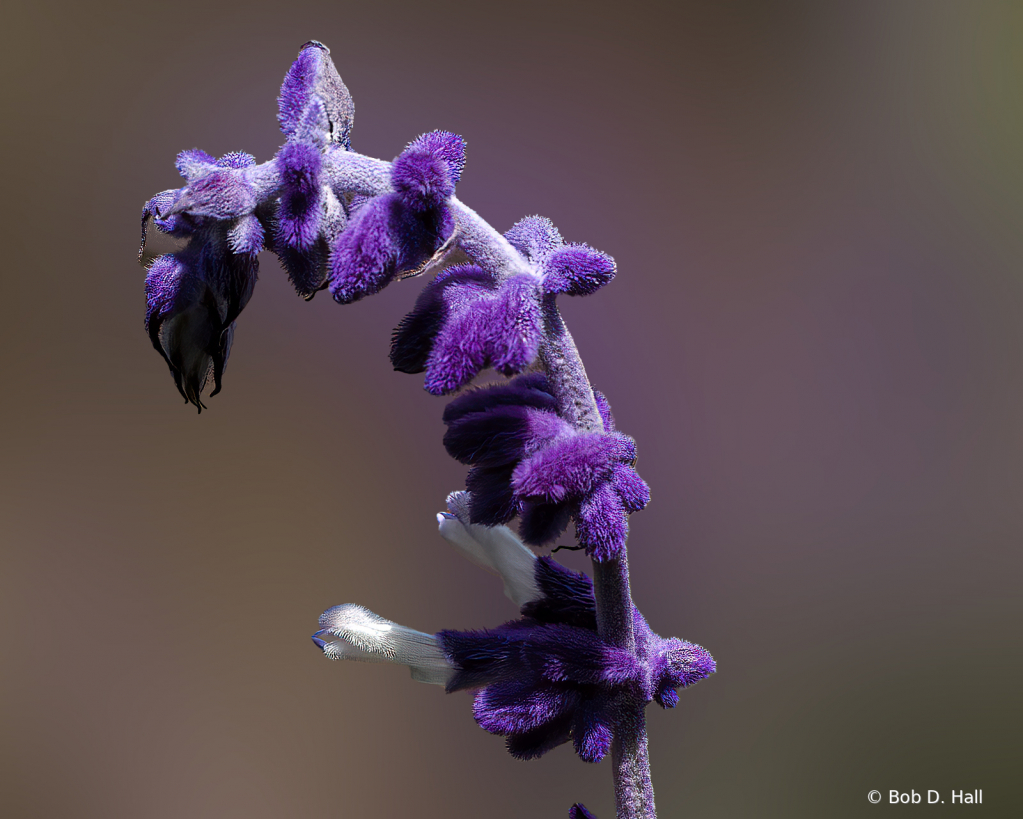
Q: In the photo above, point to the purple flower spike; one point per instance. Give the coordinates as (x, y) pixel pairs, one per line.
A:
(578, 811)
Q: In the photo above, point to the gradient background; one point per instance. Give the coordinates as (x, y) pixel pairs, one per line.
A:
(815, 336)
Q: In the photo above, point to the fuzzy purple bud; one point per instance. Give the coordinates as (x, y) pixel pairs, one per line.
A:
(577, 270)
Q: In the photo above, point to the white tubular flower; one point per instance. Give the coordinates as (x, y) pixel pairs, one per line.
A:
(351, 632)
(495, 548)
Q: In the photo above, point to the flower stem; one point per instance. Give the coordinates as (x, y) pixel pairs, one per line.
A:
(634, 793)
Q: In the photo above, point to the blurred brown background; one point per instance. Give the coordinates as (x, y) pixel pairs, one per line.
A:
(815, 336)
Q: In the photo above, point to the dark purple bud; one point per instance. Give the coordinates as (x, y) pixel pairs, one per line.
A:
(446, 146)
(192, 302)
(577, 270)
(313, 77)
(578, 811)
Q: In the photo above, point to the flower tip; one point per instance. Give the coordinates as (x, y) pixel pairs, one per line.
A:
(320, 644)
(313, 44)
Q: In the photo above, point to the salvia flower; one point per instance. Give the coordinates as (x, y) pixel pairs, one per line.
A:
(541, 680)
(470, 318)
(526, 460)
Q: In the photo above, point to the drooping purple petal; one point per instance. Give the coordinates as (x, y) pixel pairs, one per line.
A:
(502, 330)
(520, 705)
(492, 502)
(366, 256)
(543, 522)
(534, 744)
(185, 325)
(578, 811)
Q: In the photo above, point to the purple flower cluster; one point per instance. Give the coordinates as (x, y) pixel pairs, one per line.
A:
(527, 460)
(398, 233)
(470, 318)
(324, 233)
(541, 680)
(548, 677)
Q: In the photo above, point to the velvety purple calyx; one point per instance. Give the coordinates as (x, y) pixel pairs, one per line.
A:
(526, 460)
(426, 172)
(548, 678)
(573, 269)
(313, 77)
(464, 321)
(397, 234)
